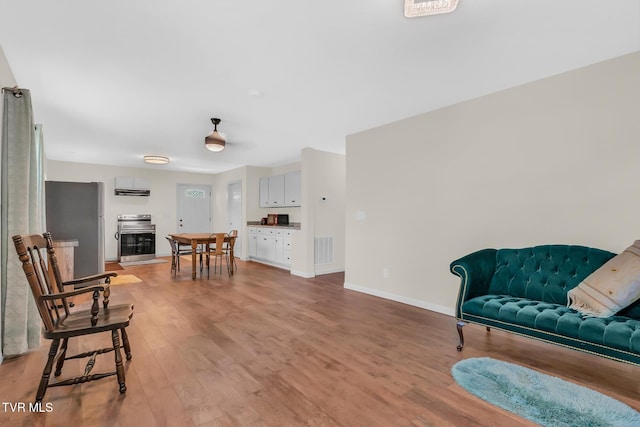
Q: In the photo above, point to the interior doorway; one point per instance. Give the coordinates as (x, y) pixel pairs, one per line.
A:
(193, 208)
(234, 213)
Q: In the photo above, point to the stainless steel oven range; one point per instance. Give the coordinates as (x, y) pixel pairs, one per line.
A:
(136, 238)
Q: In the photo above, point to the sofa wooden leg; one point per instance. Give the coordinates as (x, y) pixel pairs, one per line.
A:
(459, 326)
(488, 329)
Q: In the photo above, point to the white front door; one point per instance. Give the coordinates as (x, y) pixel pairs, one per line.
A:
(194, 208)
(234, 213)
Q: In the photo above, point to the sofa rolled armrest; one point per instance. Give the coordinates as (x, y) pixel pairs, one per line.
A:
(475, 271)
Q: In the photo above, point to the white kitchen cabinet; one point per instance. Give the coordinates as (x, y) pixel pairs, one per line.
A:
(292, 188)
(276, 191)
(264, 192)
(279, 257)
(266, 247)
(253, 242)
(280, 246)
(272, 245)
(286, 247)
(281, 190)
(132, 183)
(283, 246)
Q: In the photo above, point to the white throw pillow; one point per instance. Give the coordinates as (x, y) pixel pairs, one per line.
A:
(612, 287)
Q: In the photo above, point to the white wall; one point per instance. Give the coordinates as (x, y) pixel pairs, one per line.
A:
(6, 77)
(6, 80)
(161, 204)
(220, 197)
(323, 176)
(249, 177)
(553, 161)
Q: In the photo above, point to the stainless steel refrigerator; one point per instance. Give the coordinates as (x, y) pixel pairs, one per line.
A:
(75, 211)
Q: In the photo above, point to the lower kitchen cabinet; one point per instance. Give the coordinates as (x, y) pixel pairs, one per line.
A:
(283, 246)
(270, 245)
(266, 247)
(279, 255)
(253, 242)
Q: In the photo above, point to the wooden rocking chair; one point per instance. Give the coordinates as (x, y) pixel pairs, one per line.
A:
(60, 323)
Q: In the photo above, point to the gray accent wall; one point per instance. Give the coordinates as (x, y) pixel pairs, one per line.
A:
(552, 161)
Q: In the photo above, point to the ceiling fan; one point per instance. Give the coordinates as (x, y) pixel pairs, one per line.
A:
(215, 141)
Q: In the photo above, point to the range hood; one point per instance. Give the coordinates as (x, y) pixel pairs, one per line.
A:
(130, 186)
(132, 192)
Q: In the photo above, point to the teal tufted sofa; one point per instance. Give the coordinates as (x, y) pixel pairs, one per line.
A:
(524, 291)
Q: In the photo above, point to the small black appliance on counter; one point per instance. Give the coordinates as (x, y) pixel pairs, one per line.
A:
(275, 219)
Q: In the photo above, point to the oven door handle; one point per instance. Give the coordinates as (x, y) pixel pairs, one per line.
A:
(137, 232)
(117, 235)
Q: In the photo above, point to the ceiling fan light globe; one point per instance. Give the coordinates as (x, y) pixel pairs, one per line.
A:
(214, 142)
(215, 147)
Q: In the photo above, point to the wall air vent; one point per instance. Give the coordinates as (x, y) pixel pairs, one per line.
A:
(323, 250)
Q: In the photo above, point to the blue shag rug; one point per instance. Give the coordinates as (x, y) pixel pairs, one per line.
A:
(541, 398)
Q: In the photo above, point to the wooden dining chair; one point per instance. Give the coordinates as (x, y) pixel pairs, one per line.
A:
(177, 251)
(229, 245)
(60, 323)
(217, 253)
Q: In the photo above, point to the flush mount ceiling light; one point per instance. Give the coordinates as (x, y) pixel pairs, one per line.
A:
(413, 8)
(156, 160)
(215, 141)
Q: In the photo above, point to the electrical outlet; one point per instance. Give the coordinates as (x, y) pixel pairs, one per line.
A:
(385, 273)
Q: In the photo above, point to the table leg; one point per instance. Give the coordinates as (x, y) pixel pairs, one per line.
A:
(194, 246)
(231, 258)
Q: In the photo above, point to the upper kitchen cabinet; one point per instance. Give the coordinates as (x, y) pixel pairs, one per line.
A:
(264, 192)
(276, 191)
(281, 190)
(292, 189)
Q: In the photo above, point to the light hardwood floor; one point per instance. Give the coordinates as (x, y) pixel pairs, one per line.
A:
(265, 348)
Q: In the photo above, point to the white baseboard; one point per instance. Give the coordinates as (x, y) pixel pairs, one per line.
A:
(261, 261)
(303, 274)
(399, 298)
(329, 270)
(317, 273)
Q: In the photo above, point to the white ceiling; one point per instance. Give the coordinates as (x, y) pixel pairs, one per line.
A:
(113, 81)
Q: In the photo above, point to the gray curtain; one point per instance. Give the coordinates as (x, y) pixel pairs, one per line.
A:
(22, 205)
